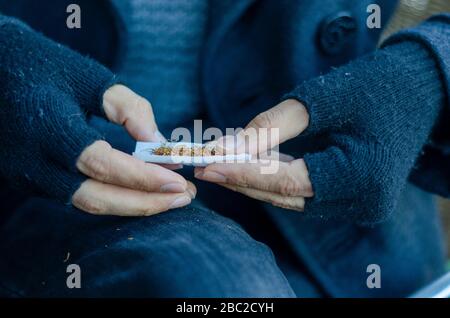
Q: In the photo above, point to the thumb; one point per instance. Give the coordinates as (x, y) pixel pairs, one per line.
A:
(126, 108)
(267, 130)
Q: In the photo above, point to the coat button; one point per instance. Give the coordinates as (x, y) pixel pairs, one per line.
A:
(336, 31)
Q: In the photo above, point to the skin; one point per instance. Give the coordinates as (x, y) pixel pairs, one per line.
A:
(287, 188)
(119, 184)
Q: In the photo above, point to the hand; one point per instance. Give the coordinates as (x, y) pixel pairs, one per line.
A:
(364, 137)
(47, 146)
(290, 185)
(119, 183)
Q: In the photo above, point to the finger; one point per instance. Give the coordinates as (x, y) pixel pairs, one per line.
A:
(275, 155)
(287, 179)
(191, 189)
(102, 162)
(176, 166)
(286, 202)
(267, 130)
(290, 117)
(124, 107)
(106, 199)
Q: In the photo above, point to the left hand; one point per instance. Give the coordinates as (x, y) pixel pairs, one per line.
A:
(286, 188)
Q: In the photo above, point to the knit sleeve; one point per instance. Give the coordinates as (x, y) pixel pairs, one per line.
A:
(377, 113)
(432, 170)
(46, 91)
(28, 58)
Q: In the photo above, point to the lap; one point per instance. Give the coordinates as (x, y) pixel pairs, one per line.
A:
(186, 252)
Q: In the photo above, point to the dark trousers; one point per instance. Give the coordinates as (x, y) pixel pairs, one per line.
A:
(185, 252)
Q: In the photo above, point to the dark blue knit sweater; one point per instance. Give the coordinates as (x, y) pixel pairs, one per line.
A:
(46, 91)
(377, 114)
(375, 139)
(375, 129)
(373, 117)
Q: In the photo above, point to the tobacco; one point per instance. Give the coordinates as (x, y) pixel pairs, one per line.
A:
(182, 150)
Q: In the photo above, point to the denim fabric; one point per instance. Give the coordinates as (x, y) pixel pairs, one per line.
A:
(186, 252)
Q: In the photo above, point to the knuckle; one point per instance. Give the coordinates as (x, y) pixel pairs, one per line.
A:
(301, 177)
(145, 212)
(98, 168)
(161, 209)
(157, 208)
(142, 110)
(266, 119)
(144, 182)
(307, 189)
(290, 186)
(291, 204)
(239, 178)
(89, 204)
(96, 162)
(142, 105)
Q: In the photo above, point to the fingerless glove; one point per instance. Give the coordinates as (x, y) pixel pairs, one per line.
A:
(46, 92)
(376, 114)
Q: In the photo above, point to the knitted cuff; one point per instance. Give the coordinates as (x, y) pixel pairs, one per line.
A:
(31, 59)
(391, 75)
(433, 35)
(58, 183)
(89, 83)
(62, 135)
(63, 132)
(371, 110)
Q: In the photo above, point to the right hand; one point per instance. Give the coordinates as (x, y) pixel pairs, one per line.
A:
(120, 184)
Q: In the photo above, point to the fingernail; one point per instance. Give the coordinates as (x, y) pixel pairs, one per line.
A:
(180, 201)
(191, 192)
(212, 176)
(173, 187)
(159, 137)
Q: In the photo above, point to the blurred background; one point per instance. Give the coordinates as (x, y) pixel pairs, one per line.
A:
(411, 12)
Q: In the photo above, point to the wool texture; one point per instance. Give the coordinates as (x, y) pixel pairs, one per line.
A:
(375, 127)
(47, 90)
